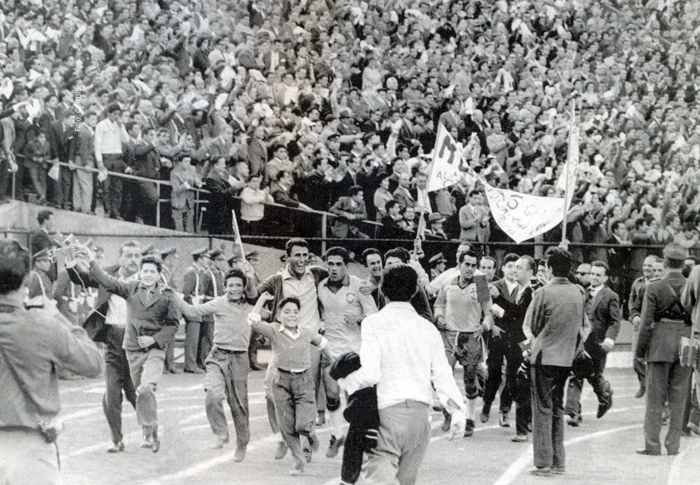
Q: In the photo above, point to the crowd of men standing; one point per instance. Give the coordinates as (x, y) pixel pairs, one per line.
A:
(335, 342)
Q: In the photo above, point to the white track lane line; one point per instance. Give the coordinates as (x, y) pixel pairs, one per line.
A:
(525, 458)
(678, 473)
(527, 455)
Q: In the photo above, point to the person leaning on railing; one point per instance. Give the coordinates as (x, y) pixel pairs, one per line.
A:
(183, 179)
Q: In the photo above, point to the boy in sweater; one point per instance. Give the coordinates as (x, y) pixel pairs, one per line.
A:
(227, 364)
(293, 390)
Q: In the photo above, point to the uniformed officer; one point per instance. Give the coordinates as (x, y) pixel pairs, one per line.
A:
(663, 322)
(194, 286)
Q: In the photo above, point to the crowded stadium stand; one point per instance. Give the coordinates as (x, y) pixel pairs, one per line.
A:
(175, 113)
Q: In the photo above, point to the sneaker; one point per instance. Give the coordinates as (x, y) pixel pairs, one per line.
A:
(194, 371)
(334, 446)
(558, 470)
(116, 447)
(520, 438)
(221, 440)
(469, 428)
(148, 439)
(320, 419)
(604, 407)
(307, 454)
(447, 422)
(573, 421)
(281, 450)
(694, 428)
(239, 455)
(314, 442)
(298, 467)
(503, 421)
(156, 441)
(484, 416)
(542, 471)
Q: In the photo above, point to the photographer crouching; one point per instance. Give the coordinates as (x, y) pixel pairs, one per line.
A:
(33, 344)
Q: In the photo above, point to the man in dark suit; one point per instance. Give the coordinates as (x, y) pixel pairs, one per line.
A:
(502, 342)
(107, 324)
(61, 135)
(42, 237)
(525, 268)
(602, 306)
(402, 194)
(663, 322)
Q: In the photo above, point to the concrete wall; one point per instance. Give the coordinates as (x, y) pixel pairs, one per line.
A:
(111, 234)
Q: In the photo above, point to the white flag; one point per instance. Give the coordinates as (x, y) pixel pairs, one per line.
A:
(567, 180)
(448, 166)
(524, 216)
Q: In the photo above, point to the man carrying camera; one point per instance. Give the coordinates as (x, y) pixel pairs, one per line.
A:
(33, 344)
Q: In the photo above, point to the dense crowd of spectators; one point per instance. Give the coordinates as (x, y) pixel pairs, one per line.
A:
(311, 103)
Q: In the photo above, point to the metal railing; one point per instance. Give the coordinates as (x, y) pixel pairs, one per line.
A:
(200, 203)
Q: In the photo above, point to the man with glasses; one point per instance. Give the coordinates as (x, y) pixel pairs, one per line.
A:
(458, 315)
(602, 306)
(583, 274)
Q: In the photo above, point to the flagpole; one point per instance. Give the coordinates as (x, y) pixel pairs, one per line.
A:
(238, 234)
(566, 173)
(422, 225)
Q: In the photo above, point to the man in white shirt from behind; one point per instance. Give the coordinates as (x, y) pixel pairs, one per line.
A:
(403, 355)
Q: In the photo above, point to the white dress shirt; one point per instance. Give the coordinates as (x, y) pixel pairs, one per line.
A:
(403, 354)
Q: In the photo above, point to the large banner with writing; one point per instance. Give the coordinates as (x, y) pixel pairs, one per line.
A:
(524, 216)
(448, 166)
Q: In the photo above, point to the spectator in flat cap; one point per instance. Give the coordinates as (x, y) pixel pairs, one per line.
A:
(437, 265)
(435, 227)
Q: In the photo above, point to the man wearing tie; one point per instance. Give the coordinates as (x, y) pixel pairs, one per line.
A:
(502, 343)
(602, 306)
(402, 194)
(474, 219)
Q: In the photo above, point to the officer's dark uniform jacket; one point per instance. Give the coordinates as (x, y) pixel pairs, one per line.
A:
(664, 320)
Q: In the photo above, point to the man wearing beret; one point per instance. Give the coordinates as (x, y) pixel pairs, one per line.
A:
(663, 322)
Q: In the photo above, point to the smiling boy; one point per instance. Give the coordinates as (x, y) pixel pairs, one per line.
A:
(152, 322)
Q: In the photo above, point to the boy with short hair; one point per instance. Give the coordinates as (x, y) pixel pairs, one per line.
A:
(293, 390)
